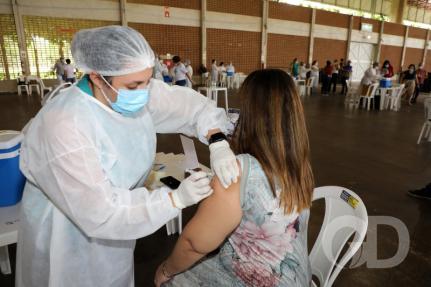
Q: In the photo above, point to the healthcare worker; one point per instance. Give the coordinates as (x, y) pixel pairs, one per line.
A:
(86, 155)
(158, 69)
(189, 68)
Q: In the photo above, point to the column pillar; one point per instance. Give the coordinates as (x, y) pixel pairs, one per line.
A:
(264, 48)
(379, 41)
(349, 37)
(204, 32)
(311, 35)
(424, 57)
(403, 55)
(25, 65)
(123, 13)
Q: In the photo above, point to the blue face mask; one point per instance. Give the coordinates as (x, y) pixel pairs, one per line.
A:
(128, 102)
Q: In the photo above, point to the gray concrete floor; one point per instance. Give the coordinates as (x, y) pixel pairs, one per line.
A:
(373, 153)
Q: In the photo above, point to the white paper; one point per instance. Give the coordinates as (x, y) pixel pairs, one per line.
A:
(191, 158)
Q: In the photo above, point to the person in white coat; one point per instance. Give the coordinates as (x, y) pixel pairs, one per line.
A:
(315, 73)
(190, 72)
(158, 69)
(87, 153)
(214, 73)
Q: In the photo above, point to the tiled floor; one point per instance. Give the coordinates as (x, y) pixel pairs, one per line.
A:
(373, 153)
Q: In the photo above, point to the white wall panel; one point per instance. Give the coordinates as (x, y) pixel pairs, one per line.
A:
(233, 22)
(328, 32)
(152, 14)
(392, 40)
(89, 9)
(288, 27)
(415, 43)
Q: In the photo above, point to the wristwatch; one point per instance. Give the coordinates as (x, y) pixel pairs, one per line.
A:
(217, 137)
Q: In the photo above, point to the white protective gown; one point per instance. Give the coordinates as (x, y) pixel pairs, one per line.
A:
(83, 204)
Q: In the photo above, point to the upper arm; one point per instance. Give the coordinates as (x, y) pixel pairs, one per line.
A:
(216, 218)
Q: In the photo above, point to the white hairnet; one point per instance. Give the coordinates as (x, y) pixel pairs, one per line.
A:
(111, 51)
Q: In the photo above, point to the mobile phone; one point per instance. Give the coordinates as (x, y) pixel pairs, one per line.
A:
(170, 182)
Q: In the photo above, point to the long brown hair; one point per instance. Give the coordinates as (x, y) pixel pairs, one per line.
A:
(271, 127)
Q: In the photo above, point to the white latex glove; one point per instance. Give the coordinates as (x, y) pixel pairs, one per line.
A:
(223, 163)
(192, 190)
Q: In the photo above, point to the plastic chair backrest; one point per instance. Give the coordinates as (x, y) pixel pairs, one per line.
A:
(427, 106)
(400, 89)
(310, 82)
(372, 89)
(42, 85)
(32, 78)
(345, 215)
(48, 97)
(21, 79)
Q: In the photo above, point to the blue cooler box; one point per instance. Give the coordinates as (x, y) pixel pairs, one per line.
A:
(385, 83)
(11, 179)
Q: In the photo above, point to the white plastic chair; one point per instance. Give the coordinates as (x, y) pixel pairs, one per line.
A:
(393, 101)
(49, 96)
(205, 79)
(309, 86)
(300, 87)
(352, 97)
(230, 82)
(223, 80)
(43, 88)
(345, 215)
(20, 87)
(238, 79)
(426, 127)
(33, 82)
(396, 104)
(366, 100)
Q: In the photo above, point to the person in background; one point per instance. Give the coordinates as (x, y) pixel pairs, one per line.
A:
(371, 76)
(221, 74)
(203, 71)
(190, 72)
(59, 69)
(308, 68)
(334, 76)
(303, 70)
(421, 75)
(230, 72)
(180, 72)
(165, 72)
(326, 78)
(158, 69)
(387, 69)
(408, 77)
(214, 73)
(69, 72)
(295, 68)
(221, 68)
(346, 73)
(260, 223)
(315, 74)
